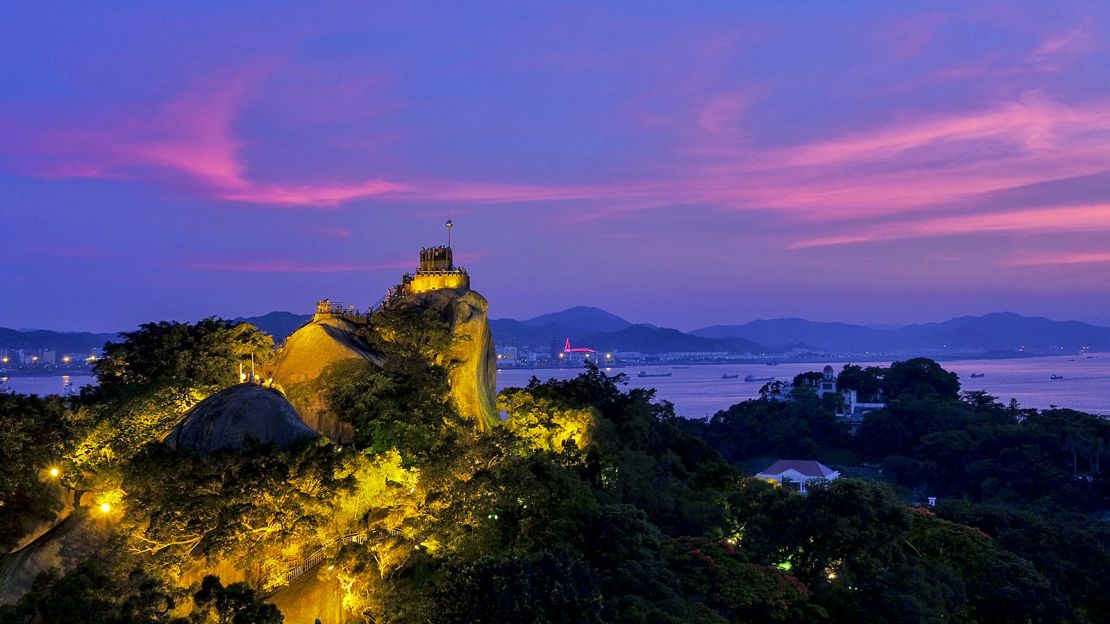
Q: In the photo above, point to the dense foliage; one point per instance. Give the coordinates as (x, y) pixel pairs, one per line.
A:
(33, 433)
(1032, 480)
(593, 503)
(200, 354)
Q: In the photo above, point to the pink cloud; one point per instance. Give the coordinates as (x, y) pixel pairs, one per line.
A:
(907, 37)
(191, 140)
(286, 265)
(1063, 45)
(721, 114)
(1057, 259)
(909, 171)
(63, 251)
(1033, 221)
(292, 266)
(1034, 122)
(331, 232)
(897, 170)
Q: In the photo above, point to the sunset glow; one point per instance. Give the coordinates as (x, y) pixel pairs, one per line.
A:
(724, 155)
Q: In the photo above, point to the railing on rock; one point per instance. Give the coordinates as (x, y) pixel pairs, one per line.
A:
(327, 307)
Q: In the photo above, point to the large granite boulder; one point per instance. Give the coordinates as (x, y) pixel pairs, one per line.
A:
(472, 360)
(227, 419)
(324, 341)
(327, 340)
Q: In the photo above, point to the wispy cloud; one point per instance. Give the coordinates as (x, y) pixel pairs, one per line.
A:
(1060, 46)
(883, 181)
(189, 141)
(290, 266)
(1057, 259)
(338, 233)
(1034, 221)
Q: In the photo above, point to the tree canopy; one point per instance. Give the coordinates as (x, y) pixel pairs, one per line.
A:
(592, 502)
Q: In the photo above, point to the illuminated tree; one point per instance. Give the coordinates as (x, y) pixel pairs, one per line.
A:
(33, 436)
(205, 354)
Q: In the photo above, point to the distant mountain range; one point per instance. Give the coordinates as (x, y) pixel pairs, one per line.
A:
(994, 334)
(278, 324)
(62, 342)
(998, 334)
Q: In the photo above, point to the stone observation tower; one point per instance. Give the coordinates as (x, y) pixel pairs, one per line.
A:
(437, 270)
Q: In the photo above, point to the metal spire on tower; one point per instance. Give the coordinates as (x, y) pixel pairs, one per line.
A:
(450, 225)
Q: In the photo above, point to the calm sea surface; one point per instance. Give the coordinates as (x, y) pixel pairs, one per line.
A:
(42, 386)
(699, 391)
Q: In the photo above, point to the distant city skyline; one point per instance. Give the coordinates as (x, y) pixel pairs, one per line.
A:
(681, 165)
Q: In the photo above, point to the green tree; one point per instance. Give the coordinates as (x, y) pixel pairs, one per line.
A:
(33, 437)
(206, 354)
(102, 590)
(920, 377)
(867, 382)
(234, 604)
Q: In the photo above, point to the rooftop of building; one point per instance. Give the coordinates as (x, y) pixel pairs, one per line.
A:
(805, 467)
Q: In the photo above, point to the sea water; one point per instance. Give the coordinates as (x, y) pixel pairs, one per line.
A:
(699, 391)
(47, 385)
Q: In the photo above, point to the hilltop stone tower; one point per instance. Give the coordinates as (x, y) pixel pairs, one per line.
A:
(436, 271)
(443, 288)
(437, 286)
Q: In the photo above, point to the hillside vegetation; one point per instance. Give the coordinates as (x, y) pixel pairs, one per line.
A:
(590, 503)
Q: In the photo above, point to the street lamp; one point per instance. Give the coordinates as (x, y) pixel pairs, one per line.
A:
(54, 472)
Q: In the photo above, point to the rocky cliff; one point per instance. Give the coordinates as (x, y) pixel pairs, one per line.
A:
(471, 361)
(325, 341)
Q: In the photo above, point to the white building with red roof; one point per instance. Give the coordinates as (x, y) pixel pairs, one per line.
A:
(797, 473)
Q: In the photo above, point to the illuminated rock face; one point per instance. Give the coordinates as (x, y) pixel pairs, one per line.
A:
(472, 361)
(311, 598)
(78, 536)
(327, 340)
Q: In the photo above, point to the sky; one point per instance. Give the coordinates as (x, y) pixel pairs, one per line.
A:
(678, 163)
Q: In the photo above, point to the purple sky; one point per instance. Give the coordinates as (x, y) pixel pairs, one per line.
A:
(683, 164)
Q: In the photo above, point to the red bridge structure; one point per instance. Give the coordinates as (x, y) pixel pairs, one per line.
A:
(569, 349)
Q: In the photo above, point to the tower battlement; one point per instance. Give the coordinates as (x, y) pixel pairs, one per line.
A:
(436, 271)
(436, 259)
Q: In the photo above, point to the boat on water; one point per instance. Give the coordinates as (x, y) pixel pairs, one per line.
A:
(978, 375)
(727, 376)
(1055, 376)
(647, 374)
(754, 378)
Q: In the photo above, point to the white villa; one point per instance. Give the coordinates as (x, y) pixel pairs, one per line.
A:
(852, 409)
(797, 474)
